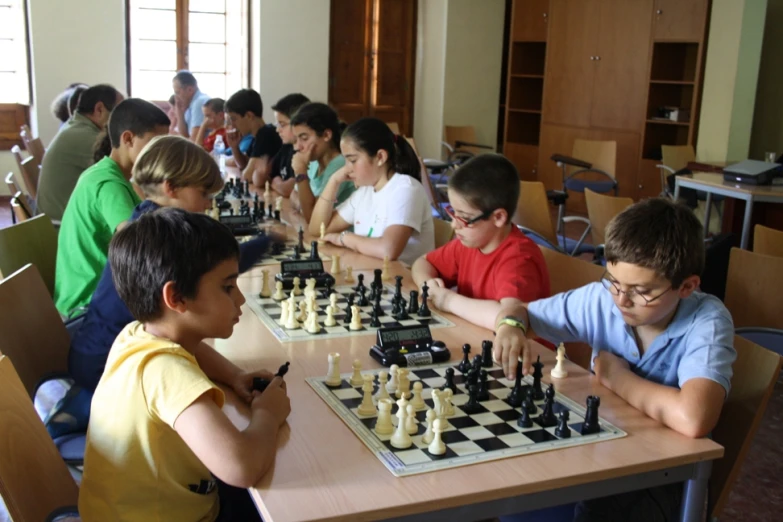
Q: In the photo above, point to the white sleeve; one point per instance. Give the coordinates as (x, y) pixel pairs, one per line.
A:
(405, 207)
(347, 209)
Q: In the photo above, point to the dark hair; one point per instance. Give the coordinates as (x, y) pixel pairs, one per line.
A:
(215, 104)
(103, 93)
(319, 117)
(75, 96)
(172, 100)
(290, 103)
(488, 182)
(186, 79)
(372, 135)
(168, 244)
(133, 114)
(244, 101)
(658, 234)
(59, 105)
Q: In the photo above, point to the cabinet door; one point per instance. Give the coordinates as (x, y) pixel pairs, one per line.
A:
(679, 20)
(349, 58)
(570, 61)
(530, 19)
(620, 86)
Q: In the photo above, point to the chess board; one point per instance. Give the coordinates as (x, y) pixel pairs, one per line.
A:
(489, 435)
(269, 310)
(285, 254)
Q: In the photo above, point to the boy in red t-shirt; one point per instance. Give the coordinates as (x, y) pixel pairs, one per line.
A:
(490, 262)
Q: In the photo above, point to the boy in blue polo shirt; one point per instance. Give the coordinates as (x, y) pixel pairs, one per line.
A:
(659, 343)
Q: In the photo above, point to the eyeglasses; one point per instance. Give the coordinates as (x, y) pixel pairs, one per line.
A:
(467, 222)
(635, 297)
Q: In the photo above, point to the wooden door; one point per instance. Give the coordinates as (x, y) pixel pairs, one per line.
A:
(391, 99)
(349, 58)
(570, 65)
(681, 20)
(622, 62)
(530, 20)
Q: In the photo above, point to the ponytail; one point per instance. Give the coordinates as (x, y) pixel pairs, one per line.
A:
(372, 135)
(407, 161)
(102, 146)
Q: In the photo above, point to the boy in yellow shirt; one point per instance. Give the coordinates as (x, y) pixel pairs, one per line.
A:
(158, 445)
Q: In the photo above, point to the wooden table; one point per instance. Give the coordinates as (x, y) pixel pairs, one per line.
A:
(713, 183)
(323, 472)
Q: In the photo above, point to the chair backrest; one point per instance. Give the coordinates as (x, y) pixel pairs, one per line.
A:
(767, 241)
(443, 232)
(34, 146)
(602, 154)
(10, 182)
(533, 210)
(753, 289)
(34, 480)
(600, 211)
(31, 241)
(18, 207)
(24, 203)
(32, 333)
(676, 157)
(467, 133)
(429, 188)
(394, 126)
(31, 171)
(755, 373)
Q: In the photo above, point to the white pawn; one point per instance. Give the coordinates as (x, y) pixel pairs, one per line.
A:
(411, 426)
(302, 311)
(356, 378)
(349, 275)
(291, 322)
(404, 384)
(279, 203)
(428, 435)
(322, 230)
(336, 264)
(311, 304)
(436, 402)
(266, 191)
(367, 407)
(391, 387)
(384, 426)
(356, 319)
(418, 400)
(297, 290)
(310, 287)
(437, 447)
(283, 312)
(330, 320)
(385, 275)
(401, 439)
(333, 375)
(382, 393)
(279, 295)
(265, 292)
(333, 301)
(559, 372)
(448, 407)
(312, 323)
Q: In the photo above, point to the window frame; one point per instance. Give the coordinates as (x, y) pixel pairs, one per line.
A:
(20, 111)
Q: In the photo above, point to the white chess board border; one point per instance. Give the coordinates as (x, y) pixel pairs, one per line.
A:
(416, 466)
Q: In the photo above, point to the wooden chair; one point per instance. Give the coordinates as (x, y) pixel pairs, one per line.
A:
(30, 169)
(767, 241)
(567, 273)
(395, 128)
(10, 182)
(600, 211)
(32, 241)
(443, 232)
(34, 480)
(20, 208)
(436, 201)
(755, 373)
(34, 146)
(754, 288)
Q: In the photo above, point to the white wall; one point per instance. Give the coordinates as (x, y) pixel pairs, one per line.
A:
(430, 75)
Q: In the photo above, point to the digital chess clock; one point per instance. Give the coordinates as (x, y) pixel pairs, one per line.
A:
(408, 346)
(304, 269)
(240, 225)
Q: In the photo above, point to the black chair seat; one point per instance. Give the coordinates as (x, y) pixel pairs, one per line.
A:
(557, 197)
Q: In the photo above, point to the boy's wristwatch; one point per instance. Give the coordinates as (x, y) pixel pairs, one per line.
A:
(512, 321)
(300, 178)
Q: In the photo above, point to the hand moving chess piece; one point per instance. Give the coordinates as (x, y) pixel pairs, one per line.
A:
(333, 375)
(559, 372)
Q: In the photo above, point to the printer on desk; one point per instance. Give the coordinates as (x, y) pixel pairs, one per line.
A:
(753, 172)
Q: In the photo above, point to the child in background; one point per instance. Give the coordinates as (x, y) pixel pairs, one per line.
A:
(389, 212)
(213, 125)
(490, 261)
(282, 169)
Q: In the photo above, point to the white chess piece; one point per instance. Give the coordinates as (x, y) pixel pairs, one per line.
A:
(265, 292)
(330, 320)
(401, 439)
(310, 287)
(291, 322)
(283, 312)
(279, 203)
(297, 288)
(348, 279)
(311, 304)
(411, 426)
(448, 408)
(384, 426)
(437, 447)
(279, 295)
(333, 375)
(429, 435)
(418, 400)
(436, 401)
(385, 275)
(559, 372)
(391, 387)
(367, 407)
(403, 384)
(336, 264)
(356, 319)
(356, 378)
(333, 301)
(266, 191)
(382, 392)
(322, 230)
(312, 323)
(302, 311)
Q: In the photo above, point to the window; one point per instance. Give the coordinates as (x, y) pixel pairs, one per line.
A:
(14, 86)
(207, 37)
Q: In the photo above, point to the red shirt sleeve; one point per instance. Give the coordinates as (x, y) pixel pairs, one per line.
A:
(522, 274)
(444, 259)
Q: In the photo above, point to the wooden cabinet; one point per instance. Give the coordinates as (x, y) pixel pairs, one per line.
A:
(681, 20)
(530, 20)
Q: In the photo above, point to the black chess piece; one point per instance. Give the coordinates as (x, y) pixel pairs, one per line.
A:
(378, 278)
(486, 354)
(449, 384)
(297, 252)
(376, 307)
(363, 297)
(260, 384)
(314, 250)
(528, 403)
(397, 287)
(424, 310)
(374, 321)
(472, 406)
(277, 215)
(476, 364)
(348, 309)
(547, 417)
(255, 199)
(395, 307)
(483, 393)
(464, 366)
(413, 304)
(516, 396)
(328, 290)
(270, 214)
(591, 424)
(373, 290)
(562, 430)
(300, 235)
(524, 420)
(359, 286)
(403, 315)
(231, 211)
(276, 249)
(538, 367)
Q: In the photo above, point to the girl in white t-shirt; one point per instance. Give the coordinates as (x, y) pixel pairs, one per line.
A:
(389, 212)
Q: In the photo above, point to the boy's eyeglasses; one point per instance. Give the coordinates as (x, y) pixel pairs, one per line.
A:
(467, 222)
(635, 297)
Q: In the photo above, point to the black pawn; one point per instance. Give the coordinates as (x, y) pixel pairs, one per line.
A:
(449, 384)
(486, 354)
(472, 406)
(348, 312)
(413, 305)
(329, 290)
(395, 308)
(483, 393)
(562, 430)
(359, 286)
(270, 212)
(374, 321)
(314, 250)
(424, 311)
(591, 425)
(524, 420)
(300, 235)
(528, 403)
(363, 297)
(403, 315)
(277, 215)
(397, 287)
(231, 211)
(376, 307)
(378, 274)
(515, 398)
(547, 418)
(297, 252)
(464, 366)
(538, 366)
(373, 290)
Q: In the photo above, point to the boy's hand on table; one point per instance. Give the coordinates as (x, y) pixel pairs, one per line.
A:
(243, 383)
(273, 401)
(511, 344)
(607, 366)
